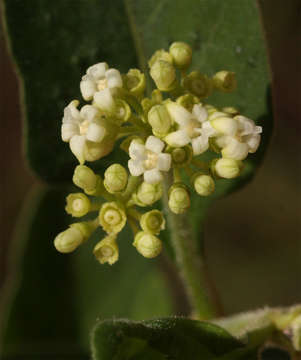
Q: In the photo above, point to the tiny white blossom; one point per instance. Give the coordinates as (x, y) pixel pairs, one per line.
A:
(148, 159)
(193, 127)
(81, 126)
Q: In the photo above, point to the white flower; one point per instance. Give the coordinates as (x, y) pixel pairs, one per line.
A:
(148, 159)
(97, 85)
(193, 127)
(245, 140)
(81, 126)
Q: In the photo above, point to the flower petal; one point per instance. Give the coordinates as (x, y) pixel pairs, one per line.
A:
(136, 167)
(89, 112)
(95, 133)
(235, 150)
(71, 113)
(114, 78)
(68, 130)
(199, 144)
(200, 113)
(154, 144)
(87, 87)
(77, 146)
(178, 113)
(207, 129)
(152, 176)
(177, 138)
(225, 125)
(98, 71)
(253, 142)
(104, 99)
(137, 151)
(164, 162)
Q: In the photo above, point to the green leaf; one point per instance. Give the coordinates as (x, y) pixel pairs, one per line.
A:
(172, 338)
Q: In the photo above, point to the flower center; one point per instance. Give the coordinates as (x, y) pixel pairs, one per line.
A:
(151, 161)
(102, 84)
(83, 127)
(153, 222)
(112, 217)
(77, 205)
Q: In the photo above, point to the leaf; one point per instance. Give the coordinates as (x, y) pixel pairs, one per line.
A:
(172, 338)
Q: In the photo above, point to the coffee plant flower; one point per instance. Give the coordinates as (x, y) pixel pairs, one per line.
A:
(166, 134)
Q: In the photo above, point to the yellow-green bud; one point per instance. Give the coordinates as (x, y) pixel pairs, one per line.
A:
(204, 184)
(115, 178)
(160, 55)
(181, 54)
(164, 75)
(147, 194)
(188, 101)
(107, 250)
(181, 156)
(226, 168)
(147, 245)
(85, 178)
(135, 82)
(230, 110)
(198, 84)
(159, 120)
(68, 240)
(122, 112)
(78, 204)
(152, 222)
(225, 81)
(179, 199)
(112, 217)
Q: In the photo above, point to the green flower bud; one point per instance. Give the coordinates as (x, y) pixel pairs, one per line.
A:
(107, 250)
(84, 178)
(198, 84)
(164, 75)
(68, 240)
(225, 81)
(179, 199)
(112, 217)
(226, 168)
(188, 101)
(147, 244)
(232, 111)
(147, 194)
(160, 55)
(181, 156)
(122, 111)
(203, 184)
(181, 54)
(78, 204)
(159, 120)
(115, 178)
(135, 82)
(152, 222)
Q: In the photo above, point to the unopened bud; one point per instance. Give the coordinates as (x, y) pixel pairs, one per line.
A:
(181, 54)
(224, 125)
(226, 168)
(147, 194)
(230, 110)
(115, 178)
(204, 184)
(84, 178)
(78, 204)
(182, 156)
(198, 84)
(152, 222)
(147, 245)
(225, 81)
(159, 120)
(164, 75)
(107, 250)
(122, 112)
(135, 82)
(112, 217)
(160, 55)
(68, 240)
(179, 199)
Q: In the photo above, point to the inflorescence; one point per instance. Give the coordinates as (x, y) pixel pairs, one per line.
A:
(162, 135)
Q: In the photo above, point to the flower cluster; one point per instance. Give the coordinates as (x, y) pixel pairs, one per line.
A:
(164, 134)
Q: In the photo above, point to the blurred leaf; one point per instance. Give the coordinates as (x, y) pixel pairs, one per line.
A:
(172, 338)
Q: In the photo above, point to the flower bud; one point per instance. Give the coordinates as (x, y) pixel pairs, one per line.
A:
(135, 82)
(112, 217)
(115, 178)
(188, 101)
(160, 55)
(230, 110)
(226, 168)
(122, 112)
(210, 109)
(147, 244)
(159, 120)
(152, 222)
(179, 199)
(107, 250)
(68, 240)
(78, 204)
(181, 156)
(225, 81)
(204, 184)
(164, 75)
(147, 194)
(224, 125)
(84, 178)
(181, 54)
(198, 84)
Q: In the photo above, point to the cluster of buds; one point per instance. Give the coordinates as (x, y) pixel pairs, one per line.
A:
(165, 133)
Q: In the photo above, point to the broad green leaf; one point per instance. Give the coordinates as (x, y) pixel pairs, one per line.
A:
(174, 338)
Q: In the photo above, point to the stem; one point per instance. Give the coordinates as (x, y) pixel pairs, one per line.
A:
(190, 263)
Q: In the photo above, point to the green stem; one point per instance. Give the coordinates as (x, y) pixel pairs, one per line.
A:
(190, 263)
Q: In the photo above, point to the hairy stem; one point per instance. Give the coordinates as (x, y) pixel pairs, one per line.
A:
(190, 263)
